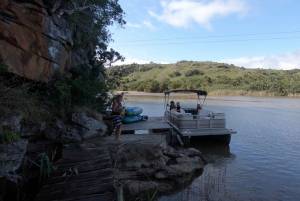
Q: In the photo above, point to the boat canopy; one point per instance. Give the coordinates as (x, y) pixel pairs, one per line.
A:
(198, 92)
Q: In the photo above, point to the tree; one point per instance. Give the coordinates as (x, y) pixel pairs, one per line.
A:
(89, 21)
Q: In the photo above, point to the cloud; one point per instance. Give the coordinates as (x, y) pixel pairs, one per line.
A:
(148, 24)
(133, 25)
(183, 13)
(145, 23)
(285, 61)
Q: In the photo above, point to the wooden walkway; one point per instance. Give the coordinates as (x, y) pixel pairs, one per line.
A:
(152, 125)
(86, 173)
(81, 175)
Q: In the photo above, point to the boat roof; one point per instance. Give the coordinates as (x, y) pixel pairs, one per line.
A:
(198, 92)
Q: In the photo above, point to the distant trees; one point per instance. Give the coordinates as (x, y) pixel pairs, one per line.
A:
(210, 77)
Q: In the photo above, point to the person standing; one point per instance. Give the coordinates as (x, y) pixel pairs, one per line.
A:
(117, 117)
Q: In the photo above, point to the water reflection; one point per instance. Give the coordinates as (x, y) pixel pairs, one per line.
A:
(211, 148)
(212, 183)
(262, 161)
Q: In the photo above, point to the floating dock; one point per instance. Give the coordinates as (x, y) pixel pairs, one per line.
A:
(153, 125)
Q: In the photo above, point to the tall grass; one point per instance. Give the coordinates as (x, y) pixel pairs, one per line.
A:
(43, 162)
(228, 92)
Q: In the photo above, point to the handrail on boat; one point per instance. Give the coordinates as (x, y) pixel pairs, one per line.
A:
(198, 92)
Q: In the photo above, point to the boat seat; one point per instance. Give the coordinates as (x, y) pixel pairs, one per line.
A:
(175, 111)
(203, 113)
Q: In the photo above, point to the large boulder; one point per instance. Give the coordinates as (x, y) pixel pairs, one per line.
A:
(11, 157)
(91, 126)
(11, 122)
(149, 164)
(81, 126)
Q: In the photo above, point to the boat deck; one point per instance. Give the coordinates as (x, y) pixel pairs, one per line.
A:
(206, 132)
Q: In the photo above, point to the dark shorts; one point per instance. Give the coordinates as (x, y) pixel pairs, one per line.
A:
(117, 120)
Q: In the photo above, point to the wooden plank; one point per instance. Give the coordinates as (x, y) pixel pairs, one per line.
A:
(73, 155)
(94, 180)
(91, 174)
(80, 169)
(74, 184)
(88, 190)
(96, 197)
(66, 164)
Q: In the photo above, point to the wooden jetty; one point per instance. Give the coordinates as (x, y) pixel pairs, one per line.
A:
(85, 171)
(81, 175)
(152, 125)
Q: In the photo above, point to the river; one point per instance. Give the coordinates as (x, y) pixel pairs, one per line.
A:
(262, 160)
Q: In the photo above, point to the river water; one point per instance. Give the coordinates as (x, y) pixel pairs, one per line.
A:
(262, 161)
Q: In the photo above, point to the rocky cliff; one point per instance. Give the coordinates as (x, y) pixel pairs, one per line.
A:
(35, 39)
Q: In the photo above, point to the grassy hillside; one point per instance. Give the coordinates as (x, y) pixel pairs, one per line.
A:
(211, 76)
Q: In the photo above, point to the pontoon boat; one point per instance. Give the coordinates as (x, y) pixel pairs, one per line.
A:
(192, 122)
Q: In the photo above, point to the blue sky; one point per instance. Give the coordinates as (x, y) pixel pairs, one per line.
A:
(248, 33)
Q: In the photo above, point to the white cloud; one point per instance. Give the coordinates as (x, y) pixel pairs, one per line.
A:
(183, 13)
(148, 24)
(133, 25)
(285, 61)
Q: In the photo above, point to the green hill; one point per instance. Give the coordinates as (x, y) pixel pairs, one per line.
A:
(216, 78)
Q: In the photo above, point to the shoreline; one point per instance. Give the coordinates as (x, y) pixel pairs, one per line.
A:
(213, 94)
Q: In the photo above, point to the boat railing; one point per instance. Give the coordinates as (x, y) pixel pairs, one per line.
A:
(191, 121)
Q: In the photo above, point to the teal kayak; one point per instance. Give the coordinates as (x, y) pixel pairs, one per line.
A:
(131, 119)
(133, 111)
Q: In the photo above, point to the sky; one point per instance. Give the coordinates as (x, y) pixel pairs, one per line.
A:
(246, 33)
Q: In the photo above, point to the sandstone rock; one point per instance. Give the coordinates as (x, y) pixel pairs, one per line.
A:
(11, 159)
(193, 152)
(33, 43)
(81, 127)
(143, 165)
(12, 123)
(32, 129)
(90, 127)
(61, 133)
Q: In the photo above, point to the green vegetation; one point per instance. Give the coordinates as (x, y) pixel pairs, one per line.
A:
(10, 136)
(216, 78)
(45, 165)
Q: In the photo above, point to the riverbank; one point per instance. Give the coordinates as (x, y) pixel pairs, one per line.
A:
(215, 93)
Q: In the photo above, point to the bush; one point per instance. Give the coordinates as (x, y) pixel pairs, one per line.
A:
(193, 72)
(10, 136)
(175, 74)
